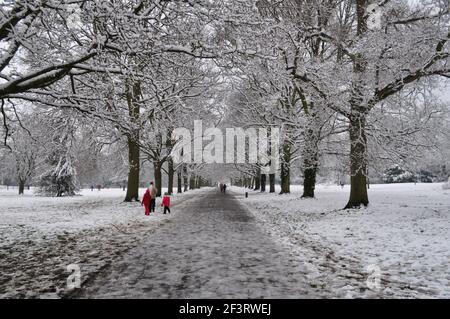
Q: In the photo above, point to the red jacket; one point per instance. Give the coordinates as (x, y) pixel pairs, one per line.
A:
(146, 199)
(166, 201)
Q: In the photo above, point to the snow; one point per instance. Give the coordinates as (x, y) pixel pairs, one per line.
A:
(283, 247)
(41, 236)
(404, 234)
(211, 249)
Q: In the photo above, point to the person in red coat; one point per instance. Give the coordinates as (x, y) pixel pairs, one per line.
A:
(166, 202)
(146, 201)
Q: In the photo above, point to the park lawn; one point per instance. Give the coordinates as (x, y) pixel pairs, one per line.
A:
(404, 235)
(41, 236)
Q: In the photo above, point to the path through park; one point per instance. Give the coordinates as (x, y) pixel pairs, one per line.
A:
(211, 248)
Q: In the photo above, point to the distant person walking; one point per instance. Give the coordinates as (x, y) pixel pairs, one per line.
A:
(166, 203)
(153, 192)
(146, 201)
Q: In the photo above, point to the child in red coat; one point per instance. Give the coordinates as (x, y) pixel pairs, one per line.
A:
(166, 202)
(146, 201)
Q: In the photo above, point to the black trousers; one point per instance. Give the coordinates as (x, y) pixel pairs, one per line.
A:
(152, 205)
(166, 208)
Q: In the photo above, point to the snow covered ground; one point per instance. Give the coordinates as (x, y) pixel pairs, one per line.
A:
(41, 236)
(397, 247)
(213, 248)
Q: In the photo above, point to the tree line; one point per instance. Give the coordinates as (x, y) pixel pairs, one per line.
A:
(350, 81)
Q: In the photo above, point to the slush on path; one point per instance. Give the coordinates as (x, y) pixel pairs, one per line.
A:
(212, 248)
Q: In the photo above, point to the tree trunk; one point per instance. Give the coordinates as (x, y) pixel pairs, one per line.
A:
(197, 182)
(185, 178)
(285, 179)
(179, 187)
(170, 174)
(133, 173)
(358, 139)
(272, 169)
(309, 181)
(310, 164)
(133, 93)
(358, 162)
(310, 153)
(285, 174)
(263, 182)
(257, 182)
(21, 186)
(192, 182)
(272, 183)
(158, 178)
